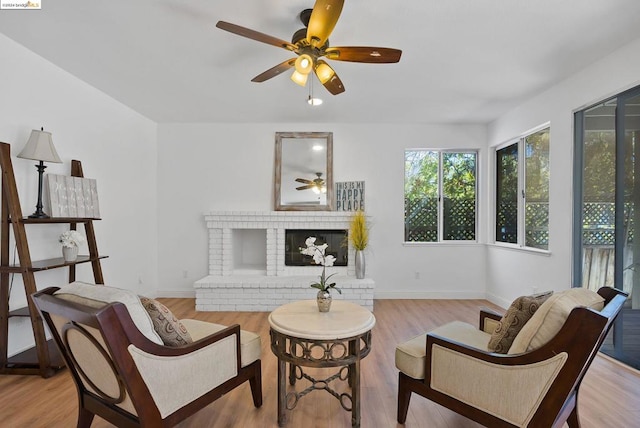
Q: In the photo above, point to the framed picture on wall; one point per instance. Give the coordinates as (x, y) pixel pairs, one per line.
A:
(349, 196)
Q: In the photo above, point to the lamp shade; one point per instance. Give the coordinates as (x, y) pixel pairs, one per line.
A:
(40, 147)
(304, 64)
(324, 72)
(299, 78)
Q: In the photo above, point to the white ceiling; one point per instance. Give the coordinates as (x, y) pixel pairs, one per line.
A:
(462, 61)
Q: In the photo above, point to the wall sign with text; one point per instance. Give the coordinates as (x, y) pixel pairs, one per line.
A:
(349, 196)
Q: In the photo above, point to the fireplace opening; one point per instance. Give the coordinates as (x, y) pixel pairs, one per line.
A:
(295, 239)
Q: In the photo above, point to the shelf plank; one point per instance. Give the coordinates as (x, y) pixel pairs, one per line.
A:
(50, 220)
(58, 262)
(26, 362)
(21, 312)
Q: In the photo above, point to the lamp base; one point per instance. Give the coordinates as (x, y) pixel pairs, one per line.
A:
(40, 214)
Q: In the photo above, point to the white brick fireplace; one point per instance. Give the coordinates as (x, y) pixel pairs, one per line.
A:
(247, 270)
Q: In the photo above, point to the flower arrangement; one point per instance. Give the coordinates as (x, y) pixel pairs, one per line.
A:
(320, 258)
(359, 231)
(71, 238)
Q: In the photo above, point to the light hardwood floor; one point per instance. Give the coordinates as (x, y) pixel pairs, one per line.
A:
(610, 394)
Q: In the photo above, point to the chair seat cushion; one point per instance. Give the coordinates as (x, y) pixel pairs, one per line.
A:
(547, 321)
(250, 344)
(411, 355)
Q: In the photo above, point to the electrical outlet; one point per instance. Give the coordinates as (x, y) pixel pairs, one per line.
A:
(416, 275)
(185, 273)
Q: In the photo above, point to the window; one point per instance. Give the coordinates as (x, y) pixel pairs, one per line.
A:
(522, 191)
(440, 201)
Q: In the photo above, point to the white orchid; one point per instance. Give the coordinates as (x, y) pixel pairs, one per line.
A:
(320, 258)
(71, 238)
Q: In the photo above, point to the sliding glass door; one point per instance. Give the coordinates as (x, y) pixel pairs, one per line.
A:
(607, 211)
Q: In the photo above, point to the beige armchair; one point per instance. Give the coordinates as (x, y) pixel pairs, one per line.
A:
(535, 384)
(123, 370)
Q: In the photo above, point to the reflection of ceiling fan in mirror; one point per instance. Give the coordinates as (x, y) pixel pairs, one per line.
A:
(317, 184)
(312, 43)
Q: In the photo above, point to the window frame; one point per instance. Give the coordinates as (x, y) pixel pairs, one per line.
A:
(521, 203)
(440, 197)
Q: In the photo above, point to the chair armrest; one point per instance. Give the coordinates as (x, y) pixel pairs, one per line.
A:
(176, 380)
(489, 320)
(490, 382)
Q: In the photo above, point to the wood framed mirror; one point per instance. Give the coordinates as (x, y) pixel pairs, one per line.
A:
(304, 171)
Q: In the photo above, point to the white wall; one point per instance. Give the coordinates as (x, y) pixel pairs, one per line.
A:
(116, 145)
(513, 273)
(207, 167)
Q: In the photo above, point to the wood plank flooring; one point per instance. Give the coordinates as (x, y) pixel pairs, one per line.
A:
(610, 394)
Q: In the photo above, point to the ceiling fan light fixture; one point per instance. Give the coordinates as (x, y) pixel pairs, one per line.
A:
(304, 64)
(324, 72)
(299, 78)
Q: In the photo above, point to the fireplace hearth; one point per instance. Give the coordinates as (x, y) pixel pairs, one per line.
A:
(247, 266)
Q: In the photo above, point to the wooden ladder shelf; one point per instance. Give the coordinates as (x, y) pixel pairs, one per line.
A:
(43, 358)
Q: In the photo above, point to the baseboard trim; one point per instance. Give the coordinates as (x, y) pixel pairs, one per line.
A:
(415, 295)
(498, 300)
(188, 294)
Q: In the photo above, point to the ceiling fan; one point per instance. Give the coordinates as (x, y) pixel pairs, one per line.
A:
(311, 44)
(317, 184)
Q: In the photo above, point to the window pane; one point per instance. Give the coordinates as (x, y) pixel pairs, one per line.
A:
(459, 188)
(536, 223)
(421, 196)
(507, 194)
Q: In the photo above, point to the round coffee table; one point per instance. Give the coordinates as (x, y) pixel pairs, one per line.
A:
(305, 337)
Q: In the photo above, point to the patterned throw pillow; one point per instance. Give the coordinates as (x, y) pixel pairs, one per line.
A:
(169, 328)
(520, 311)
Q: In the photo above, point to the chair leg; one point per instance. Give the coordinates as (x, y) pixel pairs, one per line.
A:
(404, 395)
(85, 418)
(256, 384)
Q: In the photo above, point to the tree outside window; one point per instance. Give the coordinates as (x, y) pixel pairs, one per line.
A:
(440, 195)
(522, 174)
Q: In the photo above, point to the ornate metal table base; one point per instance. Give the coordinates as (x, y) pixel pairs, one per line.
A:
(345, 353)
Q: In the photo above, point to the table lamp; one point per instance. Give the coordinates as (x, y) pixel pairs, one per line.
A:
(40, 147)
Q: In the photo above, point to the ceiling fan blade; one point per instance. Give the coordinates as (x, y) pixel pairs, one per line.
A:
(308, 186)
(274, 71)
(323, 20)
(363, 54)
(305, 181)
(329, 79)
(255, 35)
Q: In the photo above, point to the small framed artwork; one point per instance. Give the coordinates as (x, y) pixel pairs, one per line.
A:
(73, 197)
(349, 196)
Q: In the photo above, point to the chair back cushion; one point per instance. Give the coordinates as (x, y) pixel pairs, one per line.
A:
(97, 296)
(547, 321)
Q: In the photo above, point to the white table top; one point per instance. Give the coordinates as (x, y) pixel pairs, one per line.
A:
(302, 319)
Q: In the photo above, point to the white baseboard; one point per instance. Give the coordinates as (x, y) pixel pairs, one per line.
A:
(498, 300)
(189, 294)
(413, 295)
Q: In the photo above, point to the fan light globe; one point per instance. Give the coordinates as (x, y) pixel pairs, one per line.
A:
(299, 78)
(324, 72)
(304, 64)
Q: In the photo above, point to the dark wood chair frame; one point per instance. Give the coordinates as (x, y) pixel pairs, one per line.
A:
(118, 331)
(580, 337)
